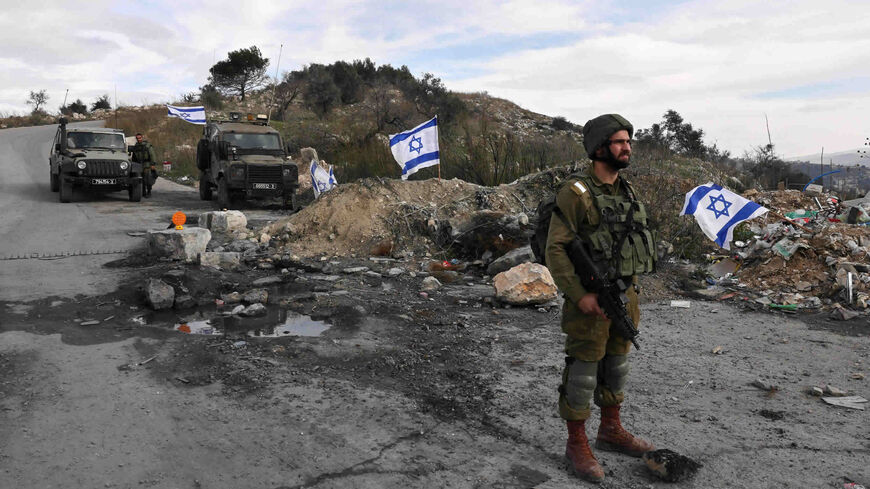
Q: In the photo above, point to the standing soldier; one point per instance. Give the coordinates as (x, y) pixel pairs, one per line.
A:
(144, 153)
(601, 208)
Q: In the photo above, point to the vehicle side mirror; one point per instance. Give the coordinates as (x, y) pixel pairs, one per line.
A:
(288, 149)
(57, 147)
(130, 149)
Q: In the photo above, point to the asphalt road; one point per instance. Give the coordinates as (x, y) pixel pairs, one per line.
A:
(34, 223)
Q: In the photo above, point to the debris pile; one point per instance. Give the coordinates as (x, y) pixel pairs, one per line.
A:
(819, 262)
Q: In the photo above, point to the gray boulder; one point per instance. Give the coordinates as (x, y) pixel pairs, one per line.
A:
(223, 221)
(526, 284)
(225, 260)
(185, 244)
(255, 295)
(511, 259)
(159, 294)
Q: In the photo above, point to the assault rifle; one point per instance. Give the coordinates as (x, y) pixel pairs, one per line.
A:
(611, 294)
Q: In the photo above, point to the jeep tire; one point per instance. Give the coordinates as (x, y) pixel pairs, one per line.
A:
(223, 193)
(65, 191)
(55, 183)
(135, 192)
(205, 192)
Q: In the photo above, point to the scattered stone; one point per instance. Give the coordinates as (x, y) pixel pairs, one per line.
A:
(430, 284)
(324, 278)
(834, 391)
(220, 260)
(355, 270)
(525, 284)
(89, 323)
(511, 259)
(242, 246)
(764, 385)
(176, 273)
(817, 391)
(256, 309)
(223, 221)
(184, 301)
(373, 274)
(159, 294)
(395, 272)
(274, 279)
(339, 293)
(265, 239)
(186, 244)
(231, 298)
(360, 309)
(843, 314)
(857, 376)
(424, 295)
(255, 295)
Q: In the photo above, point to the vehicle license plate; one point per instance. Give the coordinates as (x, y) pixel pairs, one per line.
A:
(266, 186)
(104, 181)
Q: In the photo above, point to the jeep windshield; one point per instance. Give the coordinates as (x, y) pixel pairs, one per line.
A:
(253, 141)
(95, 140)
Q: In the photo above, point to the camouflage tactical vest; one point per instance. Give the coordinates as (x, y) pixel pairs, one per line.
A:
(618, 231)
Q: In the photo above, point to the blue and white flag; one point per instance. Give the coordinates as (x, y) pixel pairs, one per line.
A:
(321, 181)
(194, 115)
(417, 148)
(718, 211)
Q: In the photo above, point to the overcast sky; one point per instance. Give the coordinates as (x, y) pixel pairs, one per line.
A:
(722, 64)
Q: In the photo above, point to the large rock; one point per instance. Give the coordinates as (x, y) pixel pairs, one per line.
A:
(185, 244)
(159, 294)
(511, 259)
(223, 221)
(226, 260)
(526, 284)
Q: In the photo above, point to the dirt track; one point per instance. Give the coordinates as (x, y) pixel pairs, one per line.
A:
(406, 393)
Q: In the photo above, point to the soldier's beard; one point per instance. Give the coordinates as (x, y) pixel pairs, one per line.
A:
(614, 162)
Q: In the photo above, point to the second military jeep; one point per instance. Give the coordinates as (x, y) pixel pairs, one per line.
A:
(240, 159)
(92, 158)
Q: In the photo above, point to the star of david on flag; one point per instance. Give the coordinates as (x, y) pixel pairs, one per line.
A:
(321, 181)
(194, 115)
(718, 210)
(416, 148)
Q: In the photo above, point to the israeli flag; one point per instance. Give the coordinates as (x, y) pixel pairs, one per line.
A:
(194, 115)
(718, 211)
(321, 181)
(417, 148)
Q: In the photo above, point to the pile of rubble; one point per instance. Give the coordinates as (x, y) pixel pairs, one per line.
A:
(818, 261)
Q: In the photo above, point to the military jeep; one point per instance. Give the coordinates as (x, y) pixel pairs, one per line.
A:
(93, 159)
(242, 159)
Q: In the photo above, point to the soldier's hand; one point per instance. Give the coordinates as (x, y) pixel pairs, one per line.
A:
(588, 304)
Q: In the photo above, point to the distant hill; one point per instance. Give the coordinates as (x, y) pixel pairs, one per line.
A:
(840, 158)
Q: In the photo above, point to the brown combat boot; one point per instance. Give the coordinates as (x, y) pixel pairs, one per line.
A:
(578, 455)
(613, 437)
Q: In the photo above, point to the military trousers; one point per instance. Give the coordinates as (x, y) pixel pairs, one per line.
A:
(596, 361)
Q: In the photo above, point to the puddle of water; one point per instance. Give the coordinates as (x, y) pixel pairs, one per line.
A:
(276, 323)
(197, 327)
(294, 325)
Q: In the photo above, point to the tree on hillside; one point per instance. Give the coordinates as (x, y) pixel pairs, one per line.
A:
(77, 107)
(348, 82)
(102, 103)
(243, 70)
(37, 100)
(210, 97)
(288, 90)
(321, 94)
(677, 135)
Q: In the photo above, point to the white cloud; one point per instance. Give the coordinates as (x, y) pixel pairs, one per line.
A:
(709, 60)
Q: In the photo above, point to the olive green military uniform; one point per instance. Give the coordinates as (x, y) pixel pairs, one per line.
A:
(596, 362)
(144, 153)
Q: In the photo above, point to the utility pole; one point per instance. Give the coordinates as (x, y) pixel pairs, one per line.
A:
(822, 166)
(275, 86)
(64, 99)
